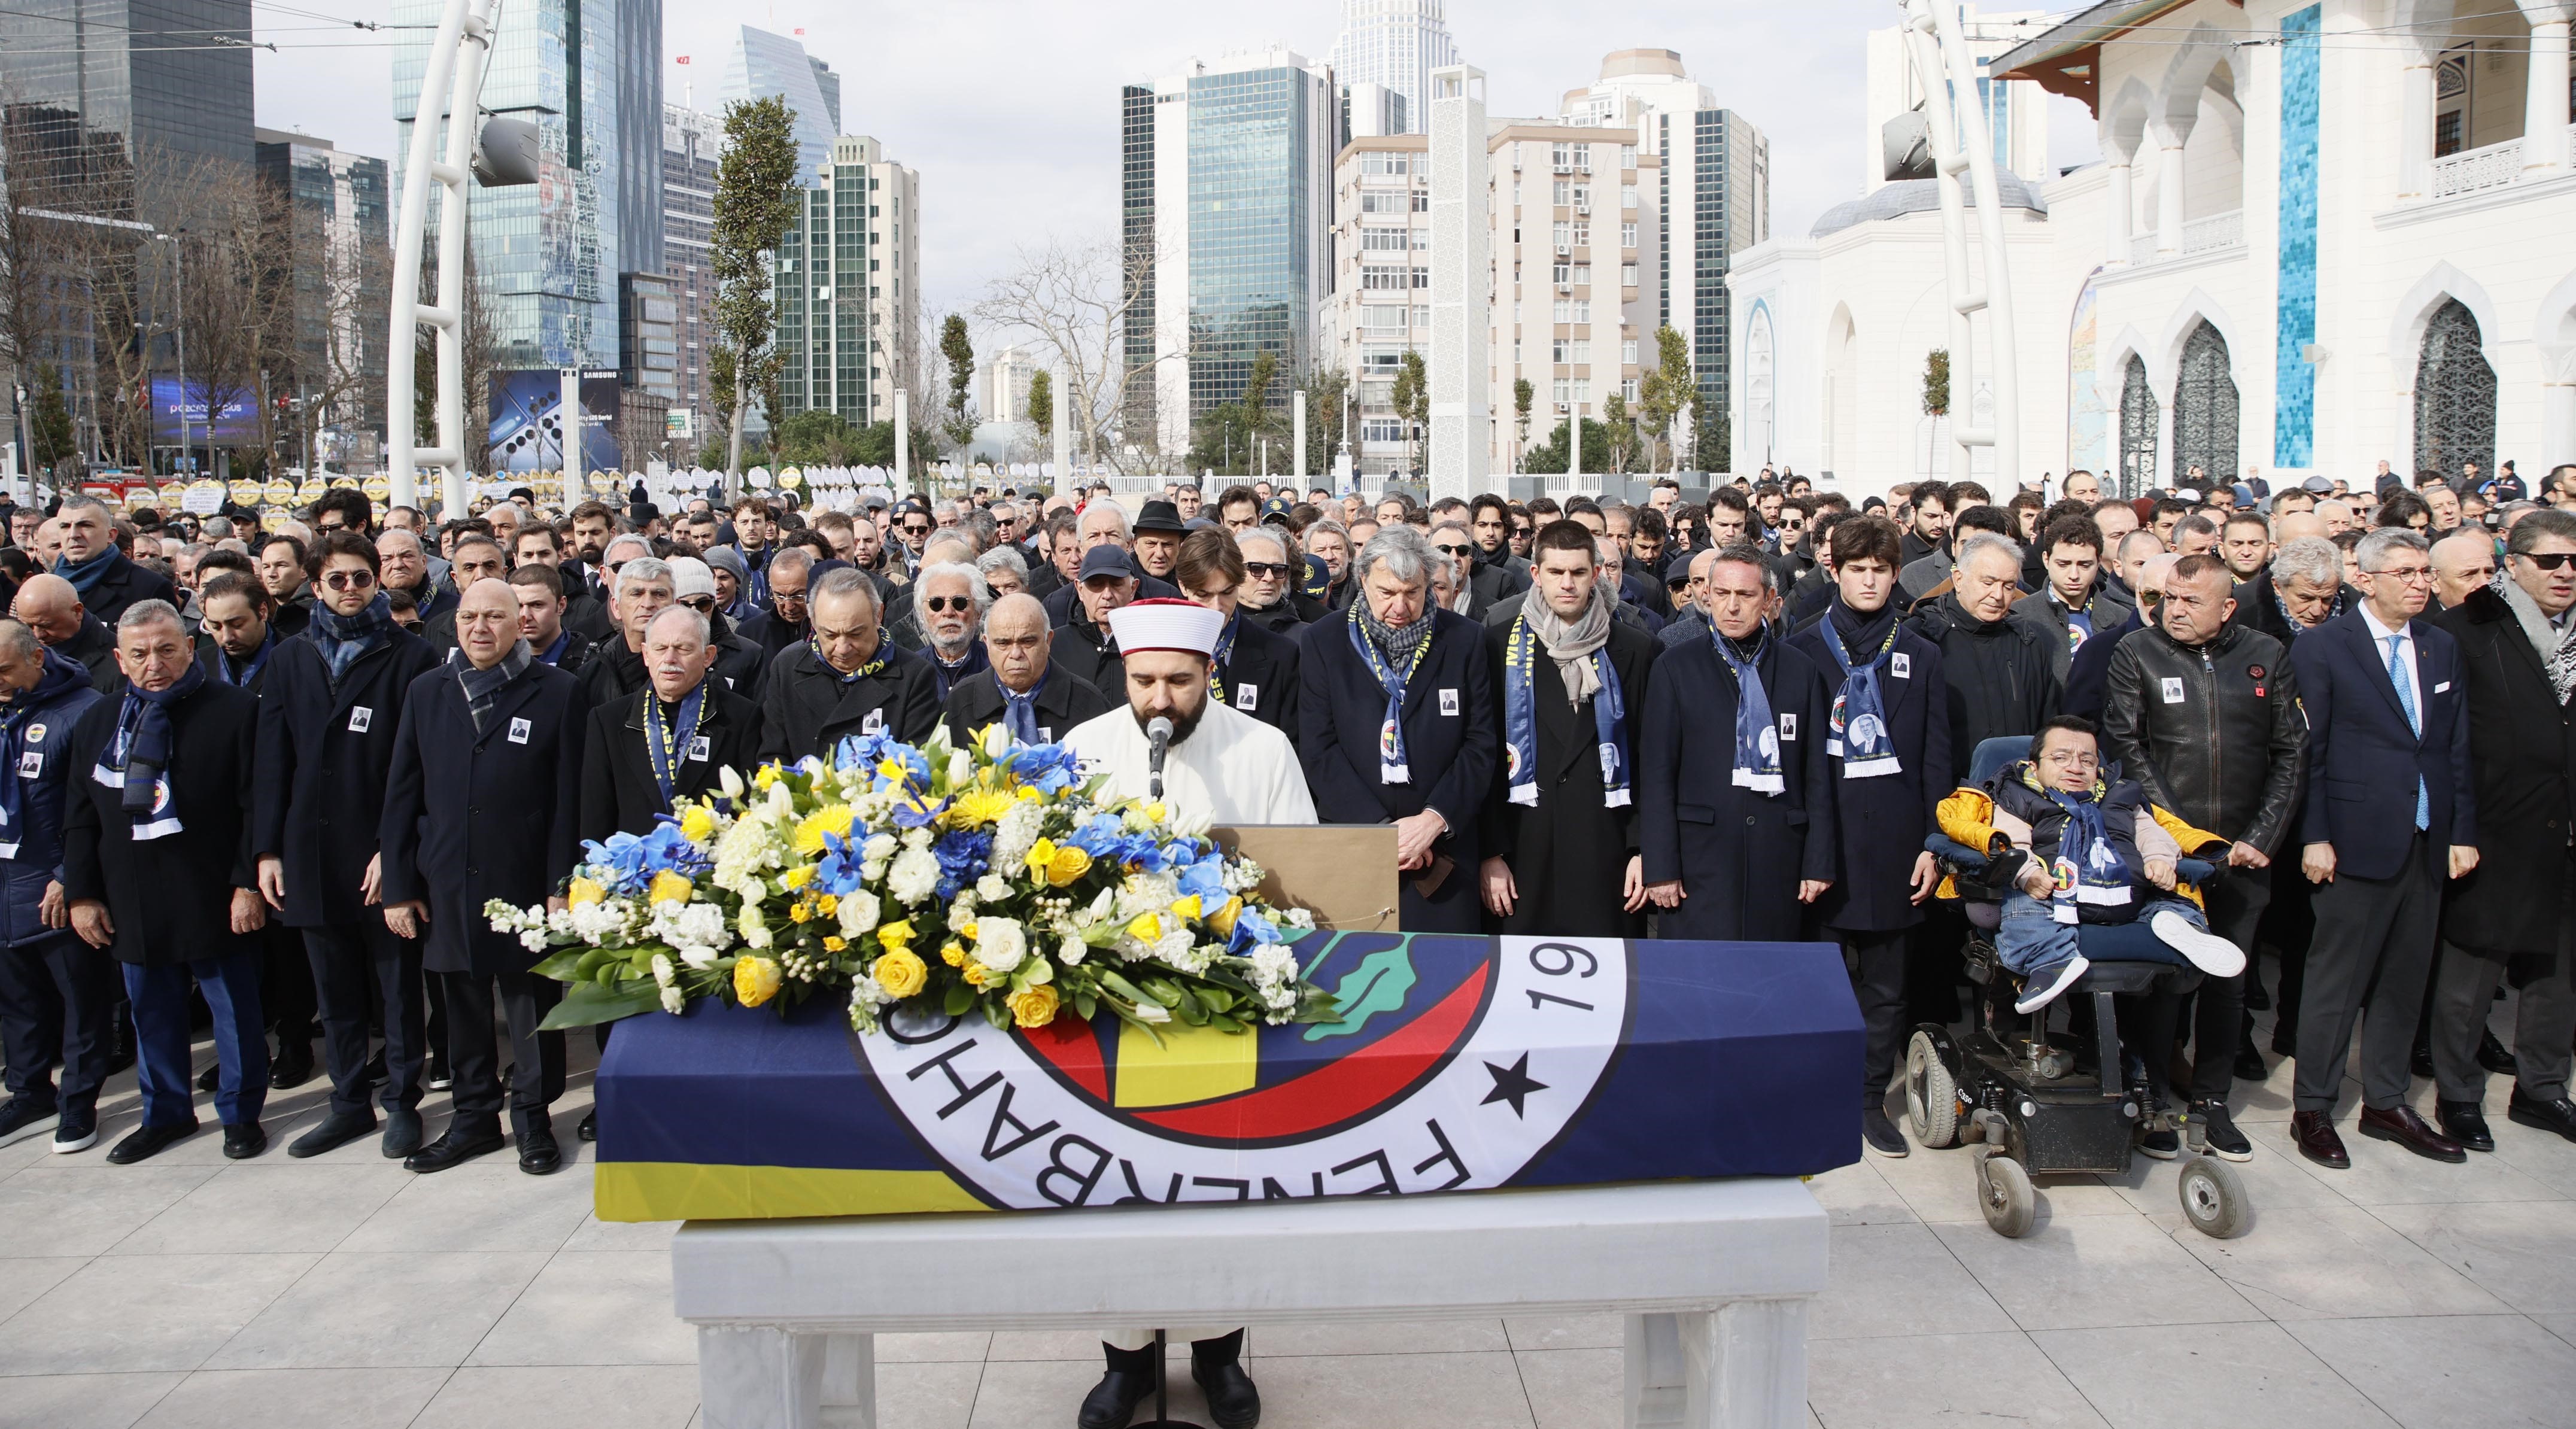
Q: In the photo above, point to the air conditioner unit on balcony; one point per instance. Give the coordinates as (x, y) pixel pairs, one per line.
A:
(1565, 287)
(1583, 205)
(1566, 249)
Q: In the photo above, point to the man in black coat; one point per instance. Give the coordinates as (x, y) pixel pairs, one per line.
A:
(783, 622)
(329, 720)
(847, 680)
(55, 993)
(2000, 671)
(641, 589)
(544, 545)
(157, 872)
(108, 582)
(1022, 690)
(52, 609)
(1085, 645)
(740, 663)
(2515, 641)
(949, 600)
(1398, 724)
(1888, 747)
(1103, 525)
(1738, 837)
(1256, 667)
(484, 802)
(1560, 819)
(2301, 589)
(668, 740)
(539, 589)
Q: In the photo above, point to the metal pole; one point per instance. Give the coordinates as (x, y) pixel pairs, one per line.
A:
(1297, 400)
(457, 73)
(179, 282)
(902, 442)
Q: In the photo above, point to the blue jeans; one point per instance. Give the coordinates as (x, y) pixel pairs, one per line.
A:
(2032, 941)
(159, 993)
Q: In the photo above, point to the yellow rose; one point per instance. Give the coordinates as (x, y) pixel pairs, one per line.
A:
(584, 891)
(755, 981)
(900, 973)
(697, 825)
(668, 887)
(953, 954)
(797, 877)
(827, 905)
(1067, 864)
(896, 934)
(1035, 1007)
(1159, 813)
(1147, 927)
(1222, 920)
(978, 975)
(799, 912)
(833, 942)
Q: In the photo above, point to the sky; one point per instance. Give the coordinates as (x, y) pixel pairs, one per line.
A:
(1009, 108)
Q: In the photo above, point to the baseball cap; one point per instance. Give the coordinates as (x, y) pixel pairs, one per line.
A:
(1105, 560)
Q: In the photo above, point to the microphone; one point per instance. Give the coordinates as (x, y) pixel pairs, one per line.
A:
(1159, 730)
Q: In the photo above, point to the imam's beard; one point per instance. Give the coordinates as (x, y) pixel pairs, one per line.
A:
(1182, 724)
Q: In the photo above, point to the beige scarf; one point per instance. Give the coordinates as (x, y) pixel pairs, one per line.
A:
(1571, 645)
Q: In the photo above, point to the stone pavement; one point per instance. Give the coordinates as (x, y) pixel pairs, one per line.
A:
(346, 1293)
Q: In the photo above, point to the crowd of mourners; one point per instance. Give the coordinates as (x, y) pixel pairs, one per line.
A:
(268, 773)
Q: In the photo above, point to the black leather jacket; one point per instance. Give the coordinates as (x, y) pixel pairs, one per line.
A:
(2214, 733)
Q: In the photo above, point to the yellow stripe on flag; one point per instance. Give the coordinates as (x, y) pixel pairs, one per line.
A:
(1194, 1064)
(686, 1191)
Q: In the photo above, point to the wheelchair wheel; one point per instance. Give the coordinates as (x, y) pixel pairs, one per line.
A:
(2005, 1193)
(1931, 1097)
(2213, 1197)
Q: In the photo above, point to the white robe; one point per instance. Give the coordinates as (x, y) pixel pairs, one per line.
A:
(1233, 769)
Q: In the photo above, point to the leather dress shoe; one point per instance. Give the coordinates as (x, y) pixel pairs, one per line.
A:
(1112, 1402)
(244, 1140)
(2315, 1134)
(2558, 1116)
(147, 1141)
(2465, 1123)
(337, 1130)
(538, 1153)
(2250, 1066)
(2493, 1056)
(455, 1147)
(292, 1067)
(211, 1078)
(1233, 1401)
(2420, 1062)
(589, 1128)
(402, 1134)
(2403, 1125)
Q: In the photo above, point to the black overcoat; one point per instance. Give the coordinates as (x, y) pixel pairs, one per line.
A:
(1261, 680)
(126, 583)
(806, 709)
(1881, 822)
(1064, 700)
(618, 793)
(1568, 852)
(2522, 753)
(1739, 855)
(324, 758)
(1452, 737)
(171, 898)
(1090, 654)
(473, 816)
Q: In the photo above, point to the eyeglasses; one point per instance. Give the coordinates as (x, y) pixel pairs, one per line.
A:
(1453, 550)
(941, 604)
(702, 604)
(1265, 570)
(2066, 759)
(349, 580)
(2411, 575)
(2553, 561)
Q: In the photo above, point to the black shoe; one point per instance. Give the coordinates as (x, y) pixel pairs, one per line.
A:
(589, 1128)
(2160, 1142)
(454, 1148)
(211, 1078)
(22, 1117)
(120, 1046)
(2422, 1062)
(402, 1133)
(78, 1131)
(439, 1078)
(2558, 1116)
(374, 1073)
(148, 1141)
(337, 1130)
(1880, 1133)
(2256, 999)
(243, 1140)
(2250, 1066)
(2493, 1056)
(2465, 1123)
(2218, 1132)
(293, 1066)
(1233, 1401)
(2285, 1041)
(1128, 1382)
(507, 1074)
(538, 1153)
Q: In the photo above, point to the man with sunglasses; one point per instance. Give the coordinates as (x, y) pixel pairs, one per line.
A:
(1269, 597)
(912, 528)
(949, 603)
(330, 716)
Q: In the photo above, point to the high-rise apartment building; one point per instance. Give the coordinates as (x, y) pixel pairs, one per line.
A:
(1714, 187)
(691, 141)
(766, 66)
(1397, 44)
(848, 284)
(1002, 384)
(333, 228)
(1226, 210)
(548, 255)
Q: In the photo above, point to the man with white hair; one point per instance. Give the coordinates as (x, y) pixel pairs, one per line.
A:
(2002, 672)
(950, 600)
(641, 589)
(1269, 596)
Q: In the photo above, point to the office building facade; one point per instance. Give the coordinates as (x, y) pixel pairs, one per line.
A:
(767, 66)
(1395, 44)
(334, 226)
(847, 287)
(691, 141)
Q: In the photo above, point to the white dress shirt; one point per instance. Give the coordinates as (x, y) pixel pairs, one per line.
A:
(2405, 634)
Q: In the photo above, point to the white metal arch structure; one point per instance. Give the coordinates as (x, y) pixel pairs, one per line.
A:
(1938, 47)
(457, 58)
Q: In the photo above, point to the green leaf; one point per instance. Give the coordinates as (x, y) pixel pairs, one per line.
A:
(1084, 1005)
(1378, 984)
(997, 1014)
(587, 1004)
(960, 997)
(564, 966)
(1118, 984)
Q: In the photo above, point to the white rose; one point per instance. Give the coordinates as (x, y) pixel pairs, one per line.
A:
(992, 888)
(1073, 952)
(859, 913)
(1000, 943)
(880, 847)
(914, 876)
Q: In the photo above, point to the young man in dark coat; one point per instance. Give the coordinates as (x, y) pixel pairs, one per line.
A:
(1888, 750)
(157, 871)
(2519, 649)
(484, 802)
(1740, 836)
(1256, 667)
(1022, 690)
(329, 720)
(1398, 724)
(541, 619)
(1560, 820)
(55, 993)
(847, 680)
(108, 582)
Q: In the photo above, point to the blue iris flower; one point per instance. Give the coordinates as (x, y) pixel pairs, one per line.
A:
(1051, 768)
(838, 872)
(1099, 836)
(1205, 880)
(1251, 930)
(963, 858)
(917, 814)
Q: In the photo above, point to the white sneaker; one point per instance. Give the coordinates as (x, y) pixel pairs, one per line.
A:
(2034, 997)
(2208, 952)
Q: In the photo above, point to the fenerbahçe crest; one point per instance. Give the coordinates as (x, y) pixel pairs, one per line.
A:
(1458, 1062)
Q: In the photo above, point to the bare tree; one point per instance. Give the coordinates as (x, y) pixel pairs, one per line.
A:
(1081, 305)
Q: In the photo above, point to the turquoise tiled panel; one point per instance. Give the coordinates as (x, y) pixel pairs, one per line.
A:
(2294, 385)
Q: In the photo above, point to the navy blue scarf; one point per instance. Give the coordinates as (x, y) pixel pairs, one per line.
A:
(1520, 719)
(1860, 736)
(86, 576)
(1757, 740)
(61, 672)
(343, 638)
(138, 763)
(1391, 765)
(1020, 712)
(258, 661)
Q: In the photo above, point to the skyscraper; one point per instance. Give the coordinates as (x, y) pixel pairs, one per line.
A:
(548, 255)
(332, 229)
(766, 66)
(1395, 43)
(1227, 210)
(848, 287)
(102, 110)
(691, 140)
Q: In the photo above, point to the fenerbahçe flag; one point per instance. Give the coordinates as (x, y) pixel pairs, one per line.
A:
(1459, 1063)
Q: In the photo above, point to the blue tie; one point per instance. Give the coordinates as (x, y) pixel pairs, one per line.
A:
(2414, 721)
(1019, 716)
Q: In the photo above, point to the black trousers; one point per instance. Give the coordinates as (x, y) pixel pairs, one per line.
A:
(365, 974)
(2544, 1025)
(2289, 925)
(2234, 908)
(473, 1049)
(2374, 941)
(286, 988)
(1877, 963)
(55, 995)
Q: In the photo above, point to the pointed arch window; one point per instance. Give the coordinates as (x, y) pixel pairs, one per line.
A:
(2205, 410)
(2139, 419)
(2455, 395)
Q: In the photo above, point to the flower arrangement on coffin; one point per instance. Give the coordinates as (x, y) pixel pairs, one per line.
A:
(987, 878)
